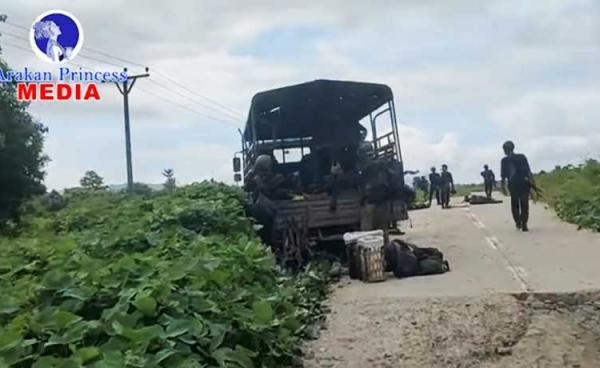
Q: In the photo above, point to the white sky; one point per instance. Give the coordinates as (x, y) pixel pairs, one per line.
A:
(466, 75)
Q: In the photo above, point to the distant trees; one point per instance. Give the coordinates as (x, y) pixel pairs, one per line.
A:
(21, 157)
(142, 189)
(92, 181)
(170, 182)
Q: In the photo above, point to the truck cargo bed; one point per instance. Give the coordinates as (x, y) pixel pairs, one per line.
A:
(316, 213)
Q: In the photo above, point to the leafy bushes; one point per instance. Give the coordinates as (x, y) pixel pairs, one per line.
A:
(173, 279)
(21, 158)
(574, 192)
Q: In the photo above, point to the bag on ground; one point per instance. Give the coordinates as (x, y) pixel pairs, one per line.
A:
(406, 259)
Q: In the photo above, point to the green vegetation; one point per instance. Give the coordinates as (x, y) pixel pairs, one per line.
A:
(21, 157)
(574, 192)
(172, 279)
(170, 182)
(466, 189)
(92, 181)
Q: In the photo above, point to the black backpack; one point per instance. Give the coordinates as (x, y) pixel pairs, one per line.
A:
(400, 259)
(433, 266)
(406, 259)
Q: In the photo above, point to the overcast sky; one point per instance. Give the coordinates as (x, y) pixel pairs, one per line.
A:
(466, 75)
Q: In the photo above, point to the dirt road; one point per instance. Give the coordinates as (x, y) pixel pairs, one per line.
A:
(512, 299)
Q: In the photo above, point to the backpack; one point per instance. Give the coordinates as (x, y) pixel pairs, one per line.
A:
(433, 266)
(406, 259)
(400, 259)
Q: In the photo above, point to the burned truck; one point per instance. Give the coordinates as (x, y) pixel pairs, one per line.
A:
(320, 159)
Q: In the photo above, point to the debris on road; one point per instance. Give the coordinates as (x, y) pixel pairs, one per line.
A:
(479, 199)
(369, 259)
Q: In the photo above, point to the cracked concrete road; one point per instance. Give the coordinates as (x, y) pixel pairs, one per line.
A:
(512, 299)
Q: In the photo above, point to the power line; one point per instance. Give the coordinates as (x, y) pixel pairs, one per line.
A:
(235, 113)
(231, 116)
(87, 49)
(4, 33)
(24, 49)
(4, 43)
(115, 57)
(100, 61)
(80, 54)
(230, 111)
(184, 107)
(152, 94)
(15, 25)
(196, 93)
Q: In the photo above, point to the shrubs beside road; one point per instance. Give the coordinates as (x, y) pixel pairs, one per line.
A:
(173, 279)
(574, 192)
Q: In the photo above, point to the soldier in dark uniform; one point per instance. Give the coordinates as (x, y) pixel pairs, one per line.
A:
(434, 186)
(489, 181)
(515, 169)
(266, 187)
(446, 186)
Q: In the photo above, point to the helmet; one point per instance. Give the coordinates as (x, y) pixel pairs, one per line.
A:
(263, 164)
(508, 146)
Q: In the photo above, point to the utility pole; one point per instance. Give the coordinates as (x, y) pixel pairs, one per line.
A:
(125, 89)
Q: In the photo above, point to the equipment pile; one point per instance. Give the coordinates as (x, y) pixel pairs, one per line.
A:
(369, 258)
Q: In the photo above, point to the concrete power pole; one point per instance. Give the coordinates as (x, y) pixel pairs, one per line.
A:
(125, 89)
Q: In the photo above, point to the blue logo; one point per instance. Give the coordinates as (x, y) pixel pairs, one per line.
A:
(56, 36)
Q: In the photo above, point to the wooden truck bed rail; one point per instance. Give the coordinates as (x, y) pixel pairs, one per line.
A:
(316, 213)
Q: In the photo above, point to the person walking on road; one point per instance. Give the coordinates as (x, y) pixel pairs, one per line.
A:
(434, 186)
(489, 181)
(446, 186)
(515, 169)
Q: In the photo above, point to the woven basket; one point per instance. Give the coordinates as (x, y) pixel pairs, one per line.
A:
(355, 268)
(371, 259)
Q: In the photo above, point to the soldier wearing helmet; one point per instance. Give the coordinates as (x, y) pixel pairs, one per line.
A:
(489, 181)
(446, 186)
(266, 186)
(434, 186)
(515, 170)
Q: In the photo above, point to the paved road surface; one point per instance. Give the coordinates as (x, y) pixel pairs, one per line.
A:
(472, 305)
(488, 255)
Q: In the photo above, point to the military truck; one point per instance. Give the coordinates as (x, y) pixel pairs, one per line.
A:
(334, 148)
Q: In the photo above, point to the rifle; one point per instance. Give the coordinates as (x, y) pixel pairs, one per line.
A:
(536, 192)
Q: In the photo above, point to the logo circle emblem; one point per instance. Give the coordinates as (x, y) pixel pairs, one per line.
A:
(56, 36)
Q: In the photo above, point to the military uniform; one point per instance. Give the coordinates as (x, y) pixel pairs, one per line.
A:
(515, 169)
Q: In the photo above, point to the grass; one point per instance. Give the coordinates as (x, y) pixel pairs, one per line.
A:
(574, 193)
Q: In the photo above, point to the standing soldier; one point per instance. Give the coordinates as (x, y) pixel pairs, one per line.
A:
(434, 186)
(489, 181)
(421, 183)
(446, 185)
(515, 169)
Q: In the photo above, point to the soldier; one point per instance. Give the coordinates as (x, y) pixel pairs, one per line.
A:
(515, 169)
(489, 181)
(434, 186)
(266, 186)
(421, 183)
(446, 186)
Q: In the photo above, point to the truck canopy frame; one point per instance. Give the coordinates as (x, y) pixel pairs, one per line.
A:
(288, 117)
